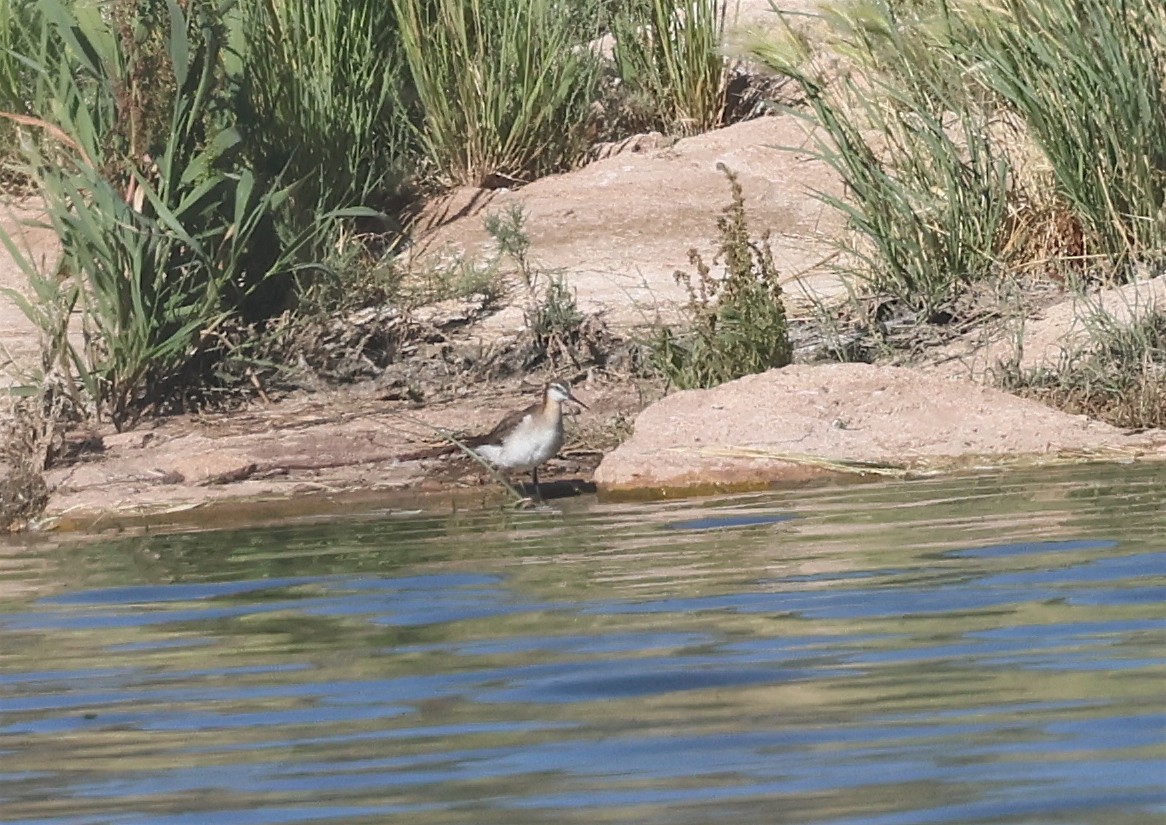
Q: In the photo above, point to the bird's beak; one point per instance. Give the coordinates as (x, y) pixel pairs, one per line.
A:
(570, 397)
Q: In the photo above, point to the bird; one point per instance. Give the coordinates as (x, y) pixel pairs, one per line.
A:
(523, 440)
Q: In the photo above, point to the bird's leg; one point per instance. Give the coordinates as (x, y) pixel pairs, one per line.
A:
(534, 477)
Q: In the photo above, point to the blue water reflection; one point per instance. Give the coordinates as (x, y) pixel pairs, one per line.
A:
(654, 663)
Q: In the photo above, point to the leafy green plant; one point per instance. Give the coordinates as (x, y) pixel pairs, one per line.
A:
(668, 58)
(736, 325)
(163, 233)
(504, 92)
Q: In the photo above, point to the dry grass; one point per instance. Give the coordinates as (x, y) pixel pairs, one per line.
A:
(597, 436)
(31, 433)
(1119, 377)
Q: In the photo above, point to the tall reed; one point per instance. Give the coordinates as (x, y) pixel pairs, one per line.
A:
(12, 86)
(915, 127)
(323, 99)
(16, 81)
(927, 190)
(504, 90)
(1088, 78)
(668, 55)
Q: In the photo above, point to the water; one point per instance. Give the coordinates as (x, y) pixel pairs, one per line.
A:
(980, 650)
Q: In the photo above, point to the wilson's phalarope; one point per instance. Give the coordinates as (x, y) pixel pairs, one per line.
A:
(523, 440)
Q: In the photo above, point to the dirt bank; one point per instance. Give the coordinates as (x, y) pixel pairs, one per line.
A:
(317, 445)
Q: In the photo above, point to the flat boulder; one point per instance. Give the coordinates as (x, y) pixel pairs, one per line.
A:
(804, 422)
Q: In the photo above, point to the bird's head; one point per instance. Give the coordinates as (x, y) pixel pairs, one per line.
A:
(560, 391)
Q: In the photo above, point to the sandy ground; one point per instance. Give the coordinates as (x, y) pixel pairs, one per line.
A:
(617, 229)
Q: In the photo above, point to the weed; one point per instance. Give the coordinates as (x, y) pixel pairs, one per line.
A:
(349, 283)
(508, 229)
(555, 325)
(458, 277)
(735, 326)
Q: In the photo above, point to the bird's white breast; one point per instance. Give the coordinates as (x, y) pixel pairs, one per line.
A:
(528, 446)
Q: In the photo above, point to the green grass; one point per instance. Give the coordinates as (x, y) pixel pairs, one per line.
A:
(504, 92)
(935, 117)
(927, 191)
(1088, 79)
(669, 61)
(11, 85)
(322, 102)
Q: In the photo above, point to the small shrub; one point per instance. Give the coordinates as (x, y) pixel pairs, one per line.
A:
(508, 229)
(23, 496)
(557, 332)
(555, 326)
(736, 326)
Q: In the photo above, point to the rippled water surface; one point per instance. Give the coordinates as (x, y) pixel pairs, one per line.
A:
(988, 649)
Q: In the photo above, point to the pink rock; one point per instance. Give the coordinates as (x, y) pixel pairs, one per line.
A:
(804, 422)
